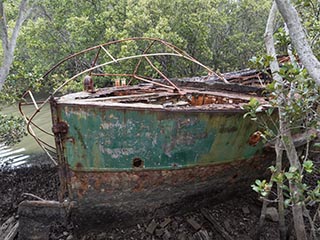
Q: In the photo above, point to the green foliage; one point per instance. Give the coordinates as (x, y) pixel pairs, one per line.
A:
(221, 34)
(310, 14)
(298, 97)
(302, 96)
(282, 40)
(300, 91)
(299, 108)
(14, 86)
(308, 195)
(12, 129)
(308, 166)
(252, 108)
(262, 187)
(261, 63)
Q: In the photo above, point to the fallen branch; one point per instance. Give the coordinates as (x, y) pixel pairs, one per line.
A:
(32, 195)
(216, 225)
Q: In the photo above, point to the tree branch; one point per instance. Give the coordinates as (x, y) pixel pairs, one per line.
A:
(299, 40)
(285, 132)
(10, 44)
(22, 16)
(3, 28)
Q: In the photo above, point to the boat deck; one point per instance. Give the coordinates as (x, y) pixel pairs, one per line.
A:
(154, 97)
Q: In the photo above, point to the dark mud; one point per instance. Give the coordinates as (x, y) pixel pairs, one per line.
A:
(236, 218)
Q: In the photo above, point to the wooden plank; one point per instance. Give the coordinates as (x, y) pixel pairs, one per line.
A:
(13, 232)
(9, 229)
(194, 223)
(216, 225)
(152, 226)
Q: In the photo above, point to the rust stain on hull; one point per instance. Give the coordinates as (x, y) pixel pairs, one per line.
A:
(94, 187)
(119, 197)
(128, 157)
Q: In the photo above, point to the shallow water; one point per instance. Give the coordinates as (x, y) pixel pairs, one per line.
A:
(13, 157)
(25, 152)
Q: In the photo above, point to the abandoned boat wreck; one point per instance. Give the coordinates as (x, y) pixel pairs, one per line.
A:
(125, 151)
(154, 147)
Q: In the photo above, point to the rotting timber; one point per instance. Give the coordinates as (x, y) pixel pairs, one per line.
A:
(127, 151)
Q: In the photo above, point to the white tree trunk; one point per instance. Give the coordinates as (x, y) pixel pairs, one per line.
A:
(285, 133)
(9, 43)
(269, 42)
(298, 38)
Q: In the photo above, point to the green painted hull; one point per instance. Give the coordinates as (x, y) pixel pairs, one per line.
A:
(120, 160)
(102, 138)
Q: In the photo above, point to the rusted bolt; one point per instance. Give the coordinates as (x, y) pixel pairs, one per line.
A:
(60, 128)
(255, 138)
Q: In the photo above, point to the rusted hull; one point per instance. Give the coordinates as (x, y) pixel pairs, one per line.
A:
(121, 162)
(123, 197)
(163, 186)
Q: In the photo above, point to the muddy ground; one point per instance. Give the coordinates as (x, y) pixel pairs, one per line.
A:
(236, 218)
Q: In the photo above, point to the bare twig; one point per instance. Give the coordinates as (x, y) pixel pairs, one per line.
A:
(313, 229)
(261, 219)
(32, 195)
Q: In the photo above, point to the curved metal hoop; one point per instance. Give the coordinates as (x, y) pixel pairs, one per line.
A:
(172, 51)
